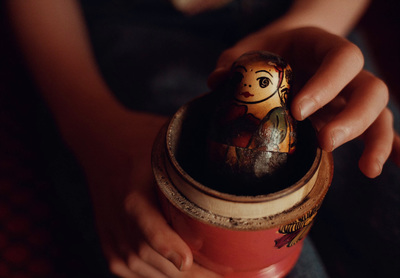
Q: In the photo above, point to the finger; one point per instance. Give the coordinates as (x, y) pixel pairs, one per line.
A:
(378, 145)
(118, 244)
(122, 262)
(111, 242)
(157, 232)
(142, 268)
(153, 258)
(368, 97)
(198, 271)
(395, 155)
(323, 116)
(341, 62)
(148, 255)
(133, 267)
(119, 267)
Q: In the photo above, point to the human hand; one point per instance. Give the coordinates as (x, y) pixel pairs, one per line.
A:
(136, 239)
(342, 100)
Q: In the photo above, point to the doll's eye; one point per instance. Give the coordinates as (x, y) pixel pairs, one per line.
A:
(263, 81)
(236, 78)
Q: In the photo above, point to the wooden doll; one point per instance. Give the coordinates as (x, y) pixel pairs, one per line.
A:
(252, 132)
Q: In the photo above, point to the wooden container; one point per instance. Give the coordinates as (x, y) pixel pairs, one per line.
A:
(236, 236)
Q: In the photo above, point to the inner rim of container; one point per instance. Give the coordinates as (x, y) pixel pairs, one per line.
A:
(173, 134)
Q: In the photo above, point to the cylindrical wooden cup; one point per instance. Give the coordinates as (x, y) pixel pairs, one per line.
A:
(236, 236)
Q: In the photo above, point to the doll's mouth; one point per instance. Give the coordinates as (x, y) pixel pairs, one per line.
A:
(246, 94)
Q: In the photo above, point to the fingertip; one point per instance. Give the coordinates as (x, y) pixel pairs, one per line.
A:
(370, 168)
(326, 140)
(379, 139)
(324, 145)
(187, 262)
(178, 253)
(159, 234)
(182, 262)
(295, 110)
(119, 268)
(305, 108)
(302, 107)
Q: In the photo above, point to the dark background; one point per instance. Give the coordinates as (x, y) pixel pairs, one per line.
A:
(357, 231)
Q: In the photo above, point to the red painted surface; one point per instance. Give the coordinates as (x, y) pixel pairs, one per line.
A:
(233, 253)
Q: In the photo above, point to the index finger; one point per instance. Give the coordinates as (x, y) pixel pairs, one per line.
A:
(160, 236)
(341, 61)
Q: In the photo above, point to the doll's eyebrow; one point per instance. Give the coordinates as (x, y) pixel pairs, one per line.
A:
(242, 67)
(264, 71)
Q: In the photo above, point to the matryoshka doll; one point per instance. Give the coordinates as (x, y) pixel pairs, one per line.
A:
(252, 132)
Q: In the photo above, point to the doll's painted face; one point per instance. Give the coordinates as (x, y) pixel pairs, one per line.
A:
(255, 82)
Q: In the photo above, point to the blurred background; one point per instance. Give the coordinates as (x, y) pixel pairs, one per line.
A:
(357, 231)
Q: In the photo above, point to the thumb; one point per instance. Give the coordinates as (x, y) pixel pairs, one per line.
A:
(223, 66)
(159, 235)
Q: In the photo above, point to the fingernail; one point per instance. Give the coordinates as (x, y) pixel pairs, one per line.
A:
(338, 138)
(176, 260)
(306, 106)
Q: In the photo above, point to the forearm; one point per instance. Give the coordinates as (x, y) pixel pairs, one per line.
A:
(53, 38)
(335, 16)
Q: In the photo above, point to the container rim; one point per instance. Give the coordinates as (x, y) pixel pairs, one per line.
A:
(173, 131)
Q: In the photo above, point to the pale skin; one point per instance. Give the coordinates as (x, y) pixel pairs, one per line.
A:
(258, 99)
(136, 239)
(260, 90)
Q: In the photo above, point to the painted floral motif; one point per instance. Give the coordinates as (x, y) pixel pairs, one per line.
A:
(297, 230)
